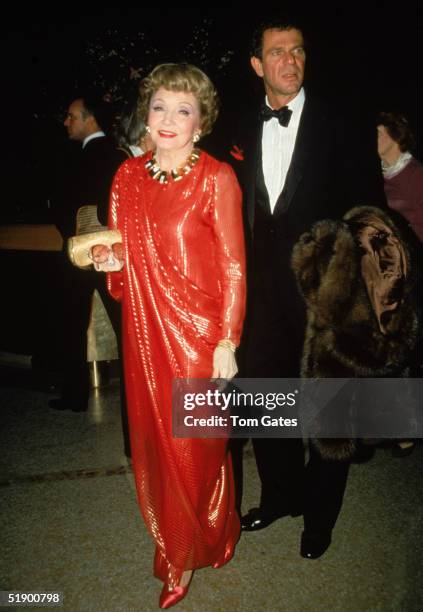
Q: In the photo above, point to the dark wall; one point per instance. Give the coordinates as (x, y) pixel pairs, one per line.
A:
(367, 61)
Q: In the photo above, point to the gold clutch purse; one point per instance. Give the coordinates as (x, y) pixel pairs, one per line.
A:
(79, 247)
(89, 232)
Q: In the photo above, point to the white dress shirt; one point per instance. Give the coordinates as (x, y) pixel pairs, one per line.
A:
(278, 144)
(92, 136)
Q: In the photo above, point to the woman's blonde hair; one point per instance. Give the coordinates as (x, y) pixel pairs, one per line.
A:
(181, 77)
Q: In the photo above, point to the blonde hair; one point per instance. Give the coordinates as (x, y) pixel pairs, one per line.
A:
(181, 77)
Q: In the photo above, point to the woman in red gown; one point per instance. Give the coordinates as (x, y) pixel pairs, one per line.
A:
(182, 288)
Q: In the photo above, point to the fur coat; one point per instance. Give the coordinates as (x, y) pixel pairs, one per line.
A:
(356, 280)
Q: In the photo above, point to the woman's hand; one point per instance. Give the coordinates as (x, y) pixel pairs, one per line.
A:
(107, 259)
(224, 363)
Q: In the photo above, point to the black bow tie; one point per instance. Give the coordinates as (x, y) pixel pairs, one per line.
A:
(283, 115)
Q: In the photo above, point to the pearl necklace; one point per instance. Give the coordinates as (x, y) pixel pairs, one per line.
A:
(176, 174)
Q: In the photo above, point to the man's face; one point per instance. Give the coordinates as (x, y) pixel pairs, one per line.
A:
(77, 126)
(282, 63)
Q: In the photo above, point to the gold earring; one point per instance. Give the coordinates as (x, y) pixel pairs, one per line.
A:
(147, 129)
(196, 137)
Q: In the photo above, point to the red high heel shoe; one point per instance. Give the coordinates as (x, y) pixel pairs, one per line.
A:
(171, 598)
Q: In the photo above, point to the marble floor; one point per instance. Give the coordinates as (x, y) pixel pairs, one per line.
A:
(70, 523)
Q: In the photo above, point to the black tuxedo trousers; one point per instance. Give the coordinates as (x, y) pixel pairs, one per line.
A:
(273, 348)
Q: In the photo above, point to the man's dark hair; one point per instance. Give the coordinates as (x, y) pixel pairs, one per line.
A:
(96, 106)
(281, 23)
(398, 128)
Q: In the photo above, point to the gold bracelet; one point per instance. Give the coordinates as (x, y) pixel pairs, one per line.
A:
(227, 344)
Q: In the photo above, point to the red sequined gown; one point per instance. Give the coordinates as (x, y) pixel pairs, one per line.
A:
(182, 290)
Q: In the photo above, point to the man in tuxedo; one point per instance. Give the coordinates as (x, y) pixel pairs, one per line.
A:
(88, 181)
(302, 162)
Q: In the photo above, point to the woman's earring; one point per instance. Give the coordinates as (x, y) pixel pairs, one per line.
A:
(196, 137)
(147, 129)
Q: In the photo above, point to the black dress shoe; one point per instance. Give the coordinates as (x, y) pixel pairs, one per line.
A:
(257, 518)
(59, 404)
(313, 545)
(77, 408)
(400, 451)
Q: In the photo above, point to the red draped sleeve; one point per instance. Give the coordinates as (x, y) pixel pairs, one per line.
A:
(230, 251)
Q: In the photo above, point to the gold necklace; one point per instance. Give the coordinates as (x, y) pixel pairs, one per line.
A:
(176, 174)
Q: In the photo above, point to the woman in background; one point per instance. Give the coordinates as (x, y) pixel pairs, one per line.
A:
(403, 182)
(130, 133)
(403, 174)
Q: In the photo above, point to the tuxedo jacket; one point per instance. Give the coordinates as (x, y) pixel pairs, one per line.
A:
(88, 181)
(334, 167)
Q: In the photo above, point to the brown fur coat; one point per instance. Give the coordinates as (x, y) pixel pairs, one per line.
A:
(355, 278)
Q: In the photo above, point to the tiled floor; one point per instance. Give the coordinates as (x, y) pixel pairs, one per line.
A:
(70, 523)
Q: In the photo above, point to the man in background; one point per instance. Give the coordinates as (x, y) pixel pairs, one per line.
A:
(87, 182)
